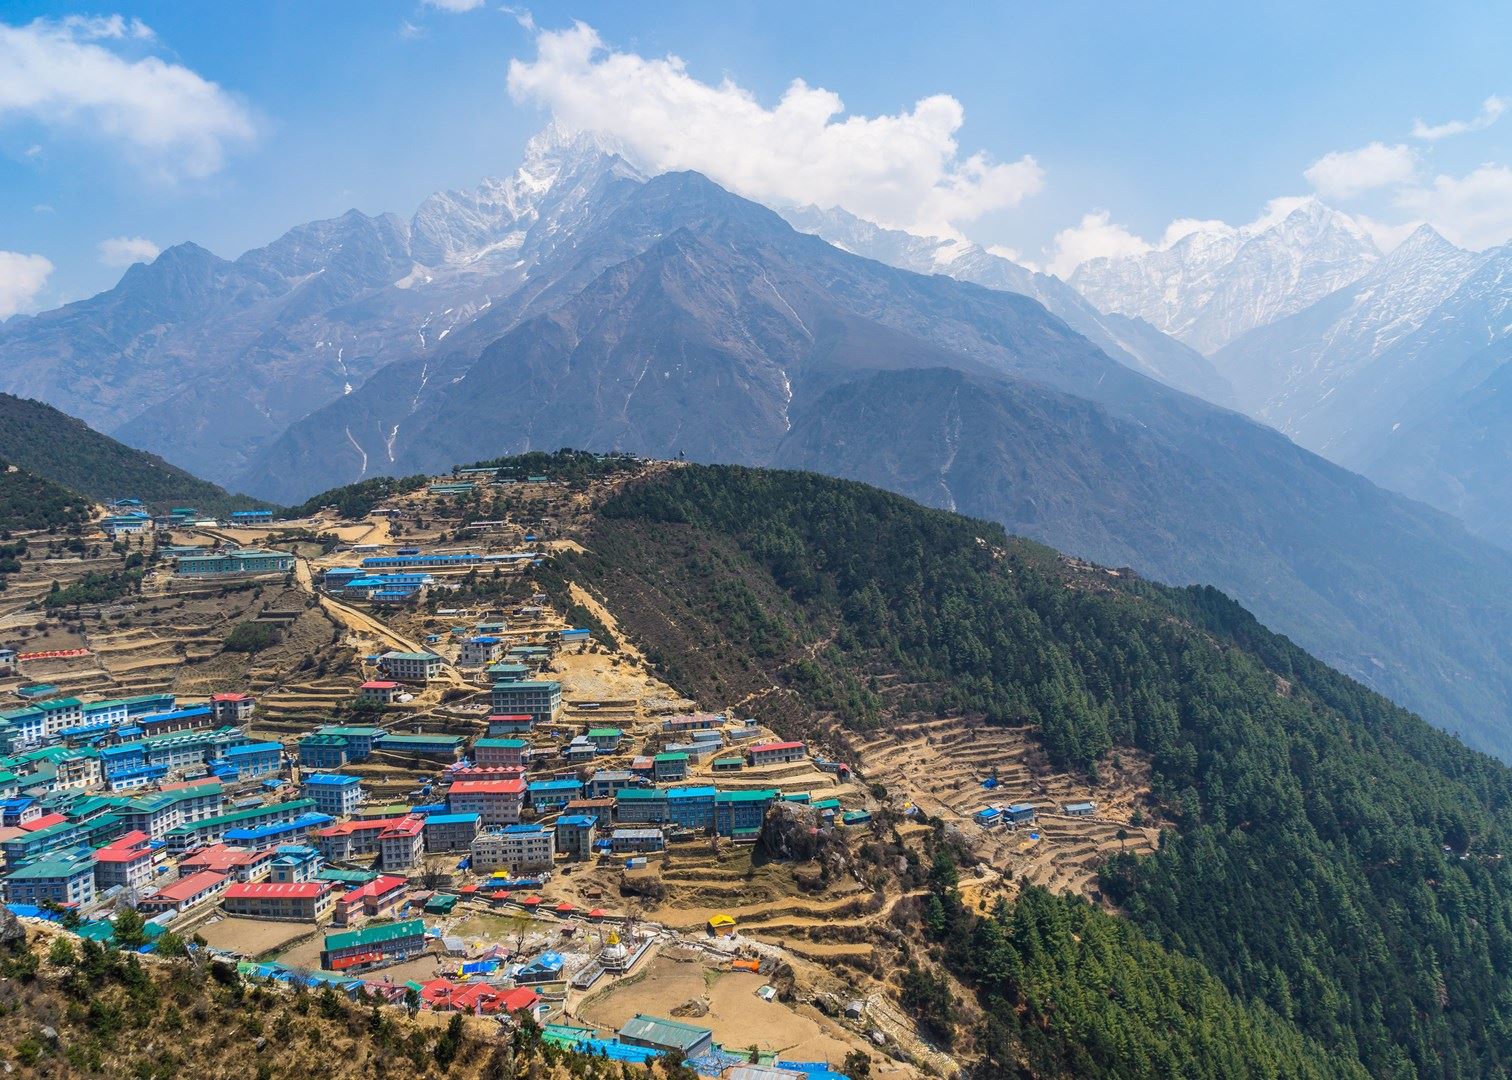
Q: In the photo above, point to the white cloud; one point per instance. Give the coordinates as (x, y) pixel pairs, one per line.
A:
(1474, 211)
(68, 74)
(125, 250)
(901, 170)
(1098, 236)
(455, 6)
(1491, 109)
(522, 16)
(1385, 235)
(1094, 237)
(21, 280)
(1344, 174)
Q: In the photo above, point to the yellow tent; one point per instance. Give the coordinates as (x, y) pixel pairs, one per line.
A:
(721, 922)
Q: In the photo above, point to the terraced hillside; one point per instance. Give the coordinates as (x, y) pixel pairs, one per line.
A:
(1300, 813)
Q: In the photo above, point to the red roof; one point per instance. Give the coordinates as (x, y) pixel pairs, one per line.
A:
(509, 716)
(531, 900)
(564, 907)
(186, 888)
(230, 697)
(225, 857)
(488, 787)
(484, 772)
(380, 684)
(134, 839)
(346, 828)
(520, 998)
(379, 886)
(344, 962)
(597, 913)
(254, 889)
(405, 826)
(44, 821)
(122, 855)
(777, 746)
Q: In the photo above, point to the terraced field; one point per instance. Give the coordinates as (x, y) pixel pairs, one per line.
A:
(940, 767)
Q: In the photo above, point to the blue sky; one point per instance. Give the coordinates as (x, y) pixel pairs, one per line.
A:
(1099, 124)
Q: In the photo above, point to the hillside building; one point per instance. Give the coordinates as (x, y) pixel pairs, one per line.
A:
(517, 848)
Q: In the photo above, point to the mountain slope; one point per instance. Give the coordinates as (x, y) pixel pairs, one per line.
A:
(206, 360)
(70, 453)
(727, 336)
(1334, 858)
(1130, 341)
(28, 501)
(1216, 282)
(1397, 376)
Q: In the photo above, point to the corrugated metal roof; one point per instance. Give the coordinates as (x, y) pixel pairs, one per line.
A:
(375, 935)
(661, 1032)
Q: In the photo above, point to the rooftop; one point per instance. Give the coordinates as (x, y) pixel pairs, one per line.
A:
(191, 886)
(662, 1032)
(270, 889)
(375, 935)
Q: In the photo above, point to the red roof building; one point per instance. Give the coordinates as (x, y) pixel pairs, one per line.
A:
(306, 901)
(128, 841)
(46, 821)
(514, 786)
(126, 862)
(774, 753)
(186, 892)
(341, 841)
(382, 896)
(496, 802)
(242, 864)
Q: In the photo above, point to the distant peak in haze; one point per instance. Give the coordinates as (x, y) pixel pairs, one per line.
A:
(1213, 283)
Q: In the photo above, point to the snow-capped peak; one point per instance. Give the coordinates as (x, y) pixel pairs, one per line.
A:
(462, 227)
(1215, 282)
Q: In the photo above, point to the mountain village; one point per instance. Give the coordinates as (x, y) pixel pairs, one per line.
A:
(473, 806)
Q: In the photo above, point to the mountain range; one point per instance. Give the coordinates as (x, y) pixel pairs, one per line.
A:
(580, 303)
(1397, 375)
(1218, 281)
(1391, 365)
(1130, 340)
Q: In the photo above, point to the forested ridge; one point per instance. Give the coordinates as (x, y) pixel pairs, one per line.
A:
(28, 501)
(69, 452)
(1336, 861)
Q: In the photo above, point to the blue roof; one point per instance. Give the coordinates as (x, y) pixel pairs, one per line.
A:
(451, 819)
(816, 1070)
(303, 821)
(559, 785)
(330, 780)
(691, 792)
(254, 748)
(577, 820)
(517, 830)
(181, 714)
